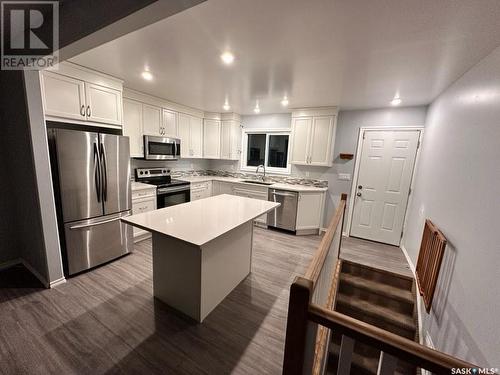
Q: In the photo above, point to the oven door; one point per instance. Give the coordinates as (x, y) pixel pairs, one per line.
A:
(167, 197)
(161, 148)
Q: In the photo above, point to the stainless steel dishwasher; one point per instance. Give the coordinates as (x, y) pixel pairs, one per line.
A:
(285, 216)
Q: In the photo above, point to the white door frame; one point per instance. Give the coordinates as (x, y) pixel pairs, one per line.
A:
(357, 162)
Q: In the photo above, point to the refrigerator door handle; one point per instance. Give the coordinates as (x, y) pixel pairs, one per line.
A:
(93, 224)
(104, 173)
(97, 172)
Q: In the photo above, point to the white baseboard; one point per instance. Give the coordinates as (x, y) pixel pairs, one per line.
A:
(10, 263)
(421, 337)
(36, 273)
(57, 282)
(408, 259)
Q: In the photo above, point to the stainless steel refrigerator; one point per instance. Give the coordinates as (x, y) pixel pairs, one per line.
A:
(91, 174)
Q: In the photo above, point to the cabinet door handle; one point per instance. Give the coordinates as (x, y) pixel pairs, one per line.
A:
(89, 112)
(82, 111)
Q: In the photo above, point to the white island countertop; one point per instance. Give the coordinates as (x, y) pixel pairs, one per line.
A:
(201, 221)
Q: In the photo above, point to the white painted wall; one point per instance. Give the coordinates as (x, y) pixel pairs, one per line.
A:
(457, 187)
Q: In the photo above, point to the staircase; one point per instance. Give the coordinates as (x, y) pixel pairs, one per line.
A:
(380, 298)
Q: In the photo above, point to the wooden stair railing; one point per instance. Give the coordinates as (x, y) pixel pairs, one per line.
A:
(311, 319)
(323, 274)
(429, 261)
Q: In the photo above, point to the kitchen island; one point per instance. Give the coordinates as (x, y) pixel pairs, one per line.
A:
(201, 250)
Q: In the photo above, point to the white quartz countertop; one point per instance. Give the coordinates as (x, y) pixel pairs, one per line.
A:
(283, 186)
(141, 186)
(201, 221)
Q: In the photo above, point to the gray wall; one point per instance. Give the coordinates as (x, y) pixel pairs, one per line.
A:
(457, 187)
(346, 140)
(25, 239)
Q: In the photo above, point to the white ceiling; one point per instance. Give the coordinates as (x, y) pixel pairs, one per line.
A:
(351, 53)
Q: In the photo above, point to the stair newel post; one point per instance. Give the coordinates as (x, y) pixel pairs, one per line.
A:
(343, 197)
(298, 358)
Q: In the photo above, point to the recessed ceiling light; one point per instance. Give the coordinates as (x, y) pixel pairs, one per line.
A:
(257, 108)
(396, 101)
(284, 102)
(226, 106)
(227, 58)
(147, 75)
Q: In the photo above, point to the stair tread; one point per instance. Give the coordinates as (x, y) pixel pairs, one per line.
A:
(386, 314)
(368, 364)
(378, 287)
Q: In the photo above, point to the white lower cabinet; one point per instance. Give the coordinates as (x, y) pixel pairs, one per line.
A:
(256, 192)
(201, 190)
(143, 200)
(310, 210)
(221, 187)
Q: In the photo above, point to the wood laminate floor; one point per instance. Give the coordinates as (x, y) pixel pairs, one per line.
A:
(107, 322)
(375, 254)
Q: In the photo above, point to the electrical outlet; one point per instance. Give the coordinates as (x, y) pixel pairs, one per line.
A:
(191, 165)
(308, 174)
(344, 177)
(232, 167)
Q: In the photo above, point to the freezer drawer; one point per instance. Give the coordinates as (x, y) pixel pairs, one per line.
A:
(285, 216)
(96, 241)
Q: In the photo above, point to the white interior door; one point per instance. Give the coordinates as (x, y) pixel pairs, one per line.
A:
(383, 184)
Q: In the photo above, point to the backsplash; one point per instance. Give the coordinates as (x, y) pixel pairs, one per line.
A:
(251, 176)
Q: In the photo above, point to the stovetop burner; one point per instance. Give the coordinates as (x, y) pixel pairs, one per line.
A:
(157, 176)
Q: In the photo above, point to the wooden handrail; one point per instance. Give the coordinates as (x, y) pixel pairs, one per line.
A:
(323, 332)
(314, 269)
(399, 347)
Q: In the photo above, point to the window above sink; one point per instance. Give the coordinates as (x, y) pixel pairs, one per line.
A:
(266, 147)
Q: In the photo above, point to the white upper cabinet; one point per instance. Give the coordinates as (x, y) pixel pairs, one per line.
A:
(313, 137)
(132, 126)
(103, 104)
(64, 96)
(80, 95)
(190, 132)
(301, 130)
(152, 120)
(169, 122)
(230, 140)
(211, 139)
(321, 147)
(196, 137)
(183, 132)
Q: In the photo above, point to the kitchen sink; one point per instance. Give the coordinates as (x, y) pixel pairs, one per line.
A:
(258, 182)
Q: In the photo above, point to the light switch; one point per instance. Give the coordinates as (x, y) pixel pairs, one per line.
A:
(345, 176)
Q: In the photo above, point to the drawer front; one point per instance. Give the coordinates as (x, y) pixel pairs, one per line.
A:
(144, 193)
(143, 206)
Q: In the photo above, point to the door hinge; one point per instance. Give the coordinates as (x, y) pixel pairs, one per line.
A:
(401, 235)
(418, 144)
(364, 135)
(409, 191)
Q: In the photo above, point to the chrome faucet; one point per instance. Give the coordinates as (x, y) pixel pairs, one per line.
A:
(264, 175)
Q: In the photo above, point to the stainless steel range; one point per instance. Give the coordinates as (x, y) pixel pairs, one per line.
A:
(169, 191)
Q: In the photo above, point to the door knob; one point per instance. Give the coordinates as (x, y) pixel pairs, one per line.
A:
(358, 194)
(360, 187)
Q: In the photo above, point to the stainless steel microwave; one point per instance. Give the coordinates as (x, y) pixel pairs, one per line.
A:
(161, 148)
